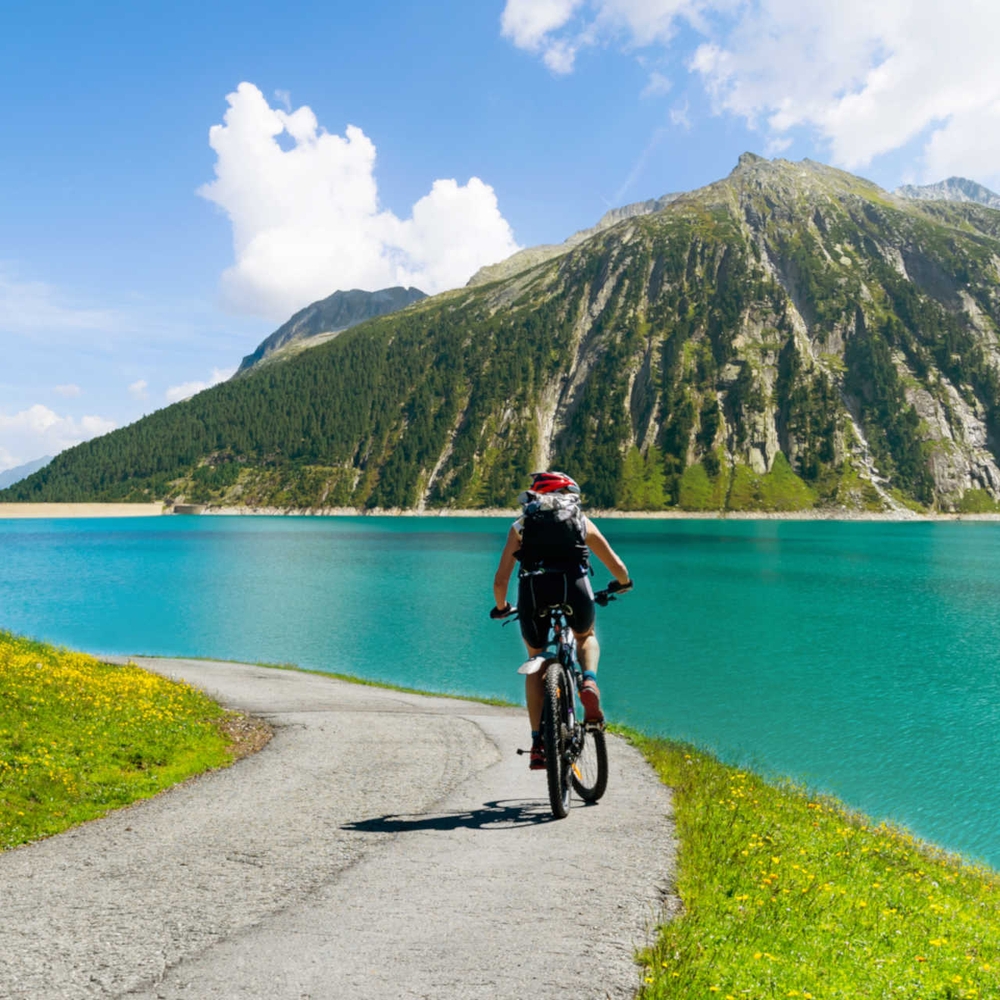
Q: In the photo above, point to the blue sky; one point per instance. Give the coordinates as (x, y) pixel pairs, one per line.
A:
(141, 256)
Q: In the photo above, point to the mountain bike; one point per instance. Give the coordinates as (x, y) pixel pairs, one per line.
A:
(576, 753)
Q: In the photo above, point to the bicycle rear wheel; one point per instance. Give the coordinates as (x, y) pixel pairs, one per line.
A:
(589, 772)
(555, 732)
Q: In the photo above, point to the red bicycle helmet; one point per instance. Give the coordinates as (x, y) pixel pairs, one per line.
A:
(551, 482)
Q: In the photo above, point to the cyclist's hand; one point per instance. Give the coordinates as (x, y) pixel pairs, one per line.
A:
(614, 587)
(501, 612)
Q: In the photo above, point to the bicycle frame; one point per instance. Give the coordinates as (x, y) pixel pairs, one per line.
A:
(575, 750)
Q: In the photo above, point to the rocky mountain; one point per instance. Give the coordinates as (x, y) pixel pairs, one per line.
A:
(953, 189)
(325, 319)
(531, 256)
(789, 336)
(10, 476)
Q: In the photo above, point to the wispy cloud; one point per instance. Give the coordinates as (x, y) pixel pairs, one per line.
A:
(67, 391)
(658, 85)
(679, 115)
(30, 307)
(640, 164)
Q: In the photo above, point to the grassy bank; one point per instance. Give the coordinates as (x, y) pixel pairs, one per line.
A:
(79, 737)
(790, 895)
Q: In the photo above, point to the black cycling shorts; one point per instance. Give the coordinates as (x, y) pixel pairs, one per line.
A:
(536, 593)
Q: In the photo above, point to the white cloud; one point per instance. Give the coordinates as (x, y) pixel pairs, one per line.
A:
(527, 23)
(307, 220)
(39, 431)
(67, 391)
(188, 389)
(867, 78)
(558, 29)
(138, 389)
(864, 79)
(284, 98)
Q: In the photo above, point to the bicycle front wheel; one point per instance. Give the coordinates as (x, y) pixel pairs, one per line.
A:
(589, 772)
(555, 733)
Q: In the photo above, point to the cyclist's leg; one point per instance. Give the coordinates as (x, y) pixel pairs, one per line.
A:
(534, 632)
(580, 598)
(534, 692)
(588, 651)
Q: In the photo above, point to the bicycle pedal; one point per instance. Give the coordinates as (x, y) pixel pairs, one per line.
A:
(595, 727)
(520, 751)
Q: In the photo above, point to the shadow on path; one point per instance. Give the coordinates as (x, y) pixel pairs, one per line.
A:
(503, 814)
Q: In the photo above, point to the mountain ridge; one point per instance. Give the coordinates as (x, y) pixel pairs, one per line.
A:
(959, 189)
(8, 477)
(788, 336)
(327, 317)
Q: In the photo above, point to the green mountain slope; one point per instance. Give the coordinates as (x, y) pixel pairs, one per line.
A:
(789, 336)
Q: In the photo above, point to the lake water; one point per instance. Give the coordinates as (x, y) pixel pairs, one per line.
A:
(859, 658)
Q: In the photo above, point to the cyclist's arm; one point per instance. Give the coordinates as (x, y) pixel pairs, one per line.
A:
(598, 544)
(506, 567)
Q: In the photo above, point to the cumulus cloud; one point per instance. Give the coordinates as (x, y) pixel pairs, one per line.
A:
(39, 431)
(307, 221)
(186, 390)
(864, 79)
(138, 389)
(529, 23)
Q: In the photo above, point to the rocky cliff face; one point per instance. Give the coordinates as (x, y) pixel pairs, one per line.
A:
(322, 320)
(953, 189)
(786, 337)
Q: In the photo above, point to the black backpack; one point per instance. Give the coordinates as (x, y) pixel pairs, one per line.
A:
(554, 535)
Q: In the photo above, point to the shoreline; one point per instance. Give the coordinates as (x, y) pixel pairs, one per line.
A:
(57, 510)
(100, 510)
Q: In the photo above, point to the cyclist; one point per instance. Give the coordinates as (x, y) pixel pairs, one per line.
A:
(552, 540)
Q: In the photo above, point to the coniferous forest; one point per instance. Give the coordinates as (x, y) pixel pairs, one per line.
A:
(791, 336)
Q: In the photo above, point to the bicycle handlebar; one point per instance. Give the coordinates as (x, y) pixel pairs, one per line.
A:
(602, 597)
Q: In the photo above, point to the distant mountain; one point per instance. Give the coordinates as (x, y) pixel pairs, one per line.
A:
(789, 336)
(953, 189)
(325, 319)
(532, 256)
(15, 475)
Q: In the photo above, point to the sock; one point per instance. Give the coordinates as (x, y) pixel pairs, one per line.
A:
(535, 736)
(589, 675)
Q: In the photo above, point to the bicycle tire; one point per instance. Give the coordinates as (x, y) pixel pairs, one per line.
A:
(555, 723)
(589, 772)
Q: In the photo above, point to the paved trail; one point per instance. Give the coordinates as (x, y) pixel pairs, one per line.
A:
(383, 845)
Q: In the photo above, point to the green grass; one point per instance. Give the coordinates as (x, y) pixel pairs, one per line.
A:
(79, 737)
(977, 501)
(786, 894)
(778, 490)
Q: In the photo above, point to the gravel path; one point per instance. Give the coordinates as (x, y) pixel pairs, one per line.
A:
(383, 845)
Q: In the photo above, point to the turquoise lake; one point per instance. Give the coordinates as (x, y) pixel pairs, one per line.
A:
(858, 658)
